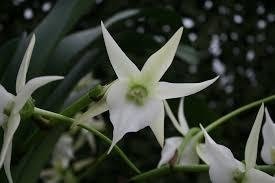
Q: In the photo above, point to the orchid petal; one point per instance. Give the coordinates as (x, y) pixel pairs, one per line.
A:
(167, 90)
(169, 150)
(7, 163)
(220, 159)
(22, 73)
(268, 132)
(189, 155)
(95, 109)
(181, 116)
(5, 99)
(257, 176)
(12, 125)
(125, 115)
(157, 126)
(173, 119)
(122, 65)
(29, 88)
(158, 63)
(251, 148)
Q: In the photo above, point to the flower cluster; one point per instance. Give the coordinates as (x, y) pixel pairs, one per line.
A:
(135, 100)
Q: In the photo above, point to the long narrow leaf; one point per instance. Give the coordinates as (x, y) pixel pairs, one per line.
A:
(51, 30)
(73, 44)
(6, 53)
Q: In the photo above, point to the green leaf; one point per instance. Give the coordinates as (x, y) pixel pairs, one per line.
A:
(6, 52)
(72, 45)
(58, 96)
(188, 54)
(51, 30)
(10, 73)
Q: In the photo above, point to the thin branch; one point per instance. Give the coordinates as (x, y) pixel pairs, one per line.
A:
(71, 121)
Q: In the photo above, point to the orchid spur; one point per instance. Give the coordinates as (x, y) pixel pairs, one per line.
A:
(11, 106)
(172, 144)
(135, 99)
(268, 131)
(224, 168)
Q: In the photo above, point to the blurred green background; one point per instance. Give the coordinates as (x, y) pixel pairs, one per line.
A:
(233, 39)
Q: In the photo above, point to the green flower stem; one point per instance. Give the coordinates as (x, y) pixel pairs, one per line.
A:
(93, 95)
(234, 113)
(109, 141)
(71, 121)
(165, 170)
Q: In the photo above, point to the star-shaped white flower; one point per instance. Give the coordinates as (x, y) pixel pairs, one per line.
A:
(172, 144)
(135, 99)
(224, 168)
(13, 104)
(268, 131)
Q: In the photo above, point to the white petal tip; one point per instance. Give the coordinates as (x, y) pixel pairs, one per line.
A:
(206, 135)
(267, 117)
(102, 25)
(266, 111)
(180, 30)
(57, 77)
(179, 33)
(203, 130)
(211, 81)
(33, 38)
(215, 79)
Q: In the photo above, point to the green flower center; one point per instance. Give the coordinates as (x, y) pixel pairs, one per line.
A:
(137, 94)
(27, 110)
(238, 176)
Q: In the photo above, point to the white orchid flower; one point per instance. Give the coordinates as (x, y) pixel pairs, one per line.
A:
(172, 144)
(268, 131)
(63, 152)
(135, 99)
(10, 105)
(224, 168)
